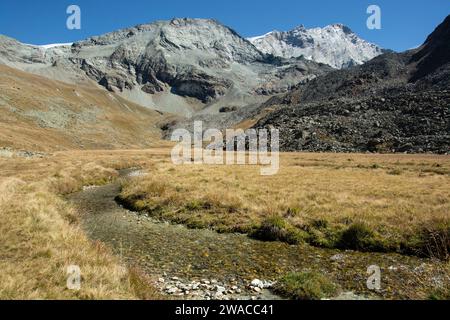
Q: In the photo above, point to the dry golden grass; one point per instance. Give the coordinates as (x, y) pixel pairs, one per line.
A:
(320, 194)
(39, 243)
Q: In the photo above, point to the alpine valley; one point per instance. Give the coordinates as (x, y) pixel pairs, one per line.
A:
(326, 89)
(94, 205)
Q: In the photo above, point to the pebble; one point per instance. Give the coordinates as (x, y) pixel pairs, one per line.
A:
(337, 257)
(261, 284)
(172, 290)
(392, 268)
(221, 289)
(257, 283)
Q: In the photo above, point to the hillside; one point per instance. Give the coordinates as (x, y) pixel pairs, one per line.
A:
(39, 114)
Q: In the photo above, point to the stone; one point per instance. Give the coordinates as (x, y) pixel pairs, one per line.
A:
(257, 283)
(337, 257)
(172, 290)
(218, 296)
(220, 289)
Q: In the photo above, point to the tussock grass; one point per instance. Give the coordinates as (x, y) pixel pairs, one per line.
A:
(276, 228)
(432, 240)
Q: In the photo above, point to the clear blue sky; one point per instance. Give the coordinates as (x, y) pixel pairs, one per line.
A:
(405, 24)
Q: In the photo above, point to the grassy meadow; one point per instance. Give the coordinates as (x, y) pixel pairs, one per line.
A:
(384, 203)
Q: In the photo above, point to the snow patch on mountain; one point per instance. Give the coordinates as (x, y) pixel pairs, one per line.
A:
(55, 45)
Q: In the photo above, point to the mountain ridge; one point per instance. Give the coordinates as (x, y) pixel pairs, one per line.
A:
(179, 66)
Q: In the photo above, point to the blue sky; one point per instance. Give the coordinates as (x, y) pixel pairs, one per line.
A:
(405, 24)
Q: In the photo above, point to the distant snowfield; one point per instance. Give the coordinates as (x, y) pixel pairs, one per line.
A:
(260, 37)
(49, 46)
(54, 45)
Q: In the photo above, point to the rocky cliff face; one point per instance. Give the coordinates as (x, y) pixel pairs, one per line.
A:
(335, 45)
(179, 66)
(393, 103)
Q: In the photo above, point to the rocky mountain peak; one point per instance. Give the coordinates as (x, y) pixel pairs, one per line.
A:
(343, 28)
(300, 27)
(336, 45)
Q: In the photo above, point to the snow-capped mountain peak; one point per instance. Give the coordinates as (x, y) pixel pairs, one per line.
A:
(336, 45)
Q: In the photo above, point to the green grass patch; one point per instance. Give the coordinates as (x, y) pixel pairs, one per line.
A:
(306, 286)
